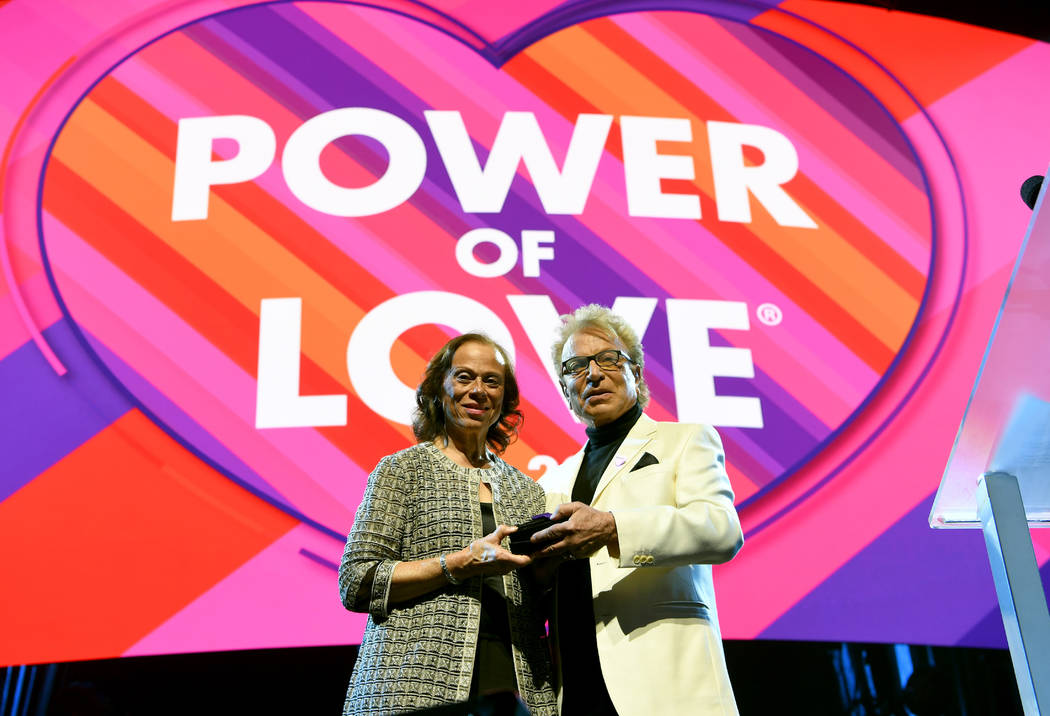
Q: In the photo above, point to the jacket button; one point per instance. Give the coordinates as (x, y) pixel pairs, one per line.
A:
(649, 559)
(637, 559)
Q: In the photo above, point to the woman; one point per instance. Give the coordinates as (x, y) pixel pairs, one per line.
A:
(449, 617)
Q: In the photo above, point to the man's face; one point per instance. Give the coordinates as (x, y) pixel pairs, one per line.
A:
(599, 396)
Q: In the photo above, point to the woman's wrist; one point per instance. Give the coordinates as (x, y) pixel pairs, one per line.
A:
(455, 565)
(443, 561)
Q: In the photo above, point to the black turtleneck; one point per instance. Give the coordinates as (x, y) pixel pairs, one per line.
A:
(584, 690)
(602, 444)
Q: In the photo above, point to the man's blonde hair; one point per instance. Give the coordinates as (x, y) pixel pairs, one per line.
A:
(600, 318)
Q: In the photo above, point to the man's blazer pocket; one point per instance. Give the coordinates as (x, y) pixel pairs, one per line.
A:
(643, 616)
(645, 460)
(680, 609)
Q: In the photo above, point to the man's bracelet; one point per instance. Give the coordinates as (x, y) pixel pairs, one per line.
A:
(444, 568)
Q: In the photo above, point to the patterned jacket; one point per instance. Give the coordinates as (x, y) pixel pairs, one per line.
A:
(419, 504)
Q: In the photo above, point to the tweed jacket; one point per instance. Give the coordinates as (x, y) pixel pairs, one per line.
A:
(419, 504)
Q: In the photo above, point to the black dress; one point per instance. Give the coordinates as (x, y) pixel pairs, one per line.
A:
(493, 661)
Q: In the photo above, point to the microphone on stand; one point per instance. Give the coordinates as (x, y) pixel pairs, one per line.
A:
(1030, 190)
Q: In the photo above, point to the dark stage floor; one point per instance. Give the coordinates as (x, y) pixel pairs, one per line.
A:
(769, 678)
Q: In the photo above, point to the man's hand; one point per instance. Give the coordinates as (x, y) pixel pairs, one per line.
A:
(584, 531)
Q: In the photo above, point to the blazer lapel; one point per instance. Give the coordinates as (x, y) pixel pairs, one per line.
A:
(570, 469)
(640, 435)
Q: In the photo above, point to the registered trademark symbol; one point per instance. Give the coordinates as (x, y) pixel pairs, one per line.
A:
(770, 314)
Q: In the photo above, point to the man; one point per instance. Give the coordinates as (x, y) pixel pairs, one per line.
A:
(649, 509)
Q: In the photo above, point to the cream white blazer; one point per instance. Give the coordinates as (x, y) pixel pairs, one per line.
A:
(655, 617)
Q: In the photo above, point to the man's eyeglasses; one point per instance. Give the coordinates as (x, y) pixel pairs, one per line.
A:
(610, 359)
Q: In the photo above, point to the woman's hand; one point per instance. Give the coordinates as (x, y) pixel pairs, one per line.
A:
(485, 556)
(413, 579)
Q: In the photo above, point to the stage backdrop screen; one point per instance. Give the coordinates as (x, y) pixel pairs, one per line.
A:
(234, 233)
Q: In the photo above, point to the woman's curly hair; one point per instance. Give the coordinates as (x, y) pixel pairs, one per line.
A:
(428, 422)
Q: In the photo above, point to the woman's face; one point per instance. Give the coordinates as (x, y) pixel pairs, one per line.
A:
(473, 388)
